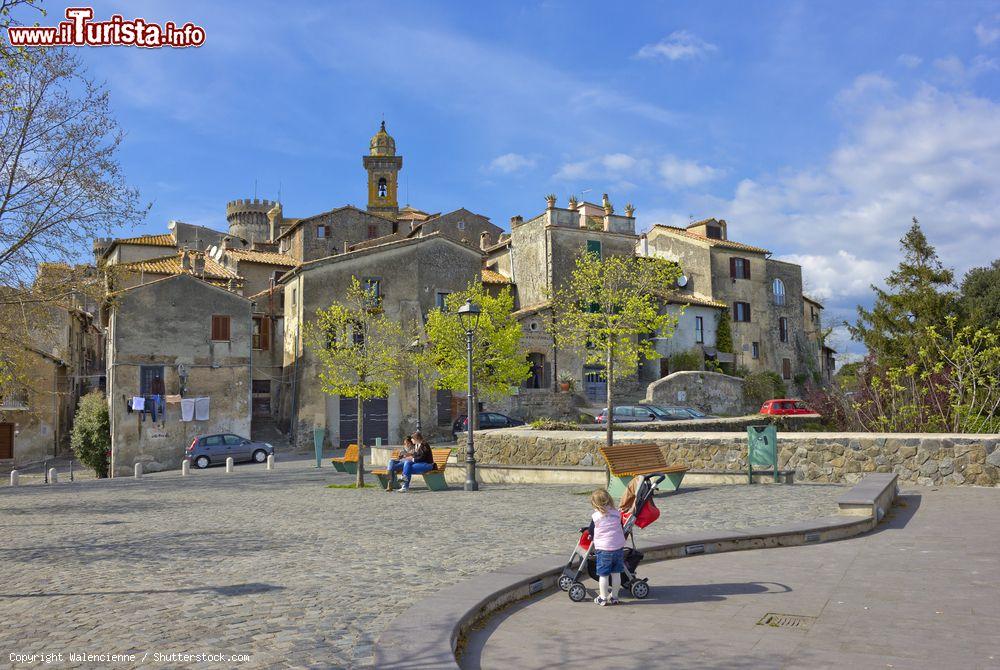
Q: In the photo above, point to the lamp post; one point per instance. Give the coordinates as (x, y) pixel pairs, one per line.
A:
(415, 347)
(469, 316)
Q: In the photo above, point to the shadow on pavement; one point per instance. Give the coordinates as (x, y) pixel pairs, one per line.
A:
(700, 593)
(903, 509)
(230, 590)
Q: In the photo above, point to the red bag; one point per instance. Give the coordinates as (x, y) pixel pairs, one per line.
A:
(650, 513)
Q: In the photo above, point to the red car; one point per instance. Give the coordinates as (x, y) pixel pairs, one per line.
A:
(784, 407)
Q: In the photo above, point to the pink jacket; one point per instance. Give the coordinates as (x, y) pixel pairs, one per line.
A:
(608, 534)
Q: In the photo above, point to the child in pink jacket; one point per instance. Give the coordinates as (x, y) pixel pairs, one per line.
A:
(609, 546)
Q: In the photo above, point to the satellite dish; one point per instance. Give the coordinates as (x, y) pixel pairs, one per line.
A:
(682, 281)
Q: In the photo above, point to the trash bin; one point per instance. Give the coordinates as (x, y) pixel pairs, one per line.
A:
(318, 435)
(762, 449)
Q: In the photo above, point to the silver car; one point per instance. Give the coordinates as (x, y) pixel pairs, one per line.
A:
(206, 450)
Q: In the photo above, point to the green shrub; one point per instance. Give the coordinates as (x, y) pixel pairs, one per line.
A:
(761, 386)
(546, 423)
(91, 436)
(686, 360)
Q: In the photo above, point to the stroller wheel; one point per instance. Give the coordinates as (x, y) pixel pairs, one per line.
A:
(639, 589)
(577, 593)
(565, 582)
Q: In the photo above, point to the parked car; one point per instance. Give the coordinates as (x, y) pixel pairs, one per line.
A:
(629, 413)
(487, 420)
(206, 450)
(785, 406)
(698, 414)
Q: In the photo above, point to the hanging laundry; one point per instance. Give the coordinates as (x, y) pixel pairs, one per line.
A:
(187, 409)
(138, 404)
(128, 404)
(201, 409)
(173, 400)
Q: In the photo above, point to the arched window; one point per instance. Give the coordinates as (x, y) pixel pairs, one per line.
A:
(383, 188)
(778, 287)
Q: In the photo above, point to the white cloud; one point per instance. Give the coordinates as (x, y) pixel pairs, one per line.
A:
(678, 173)
(988, 30)
(955, 71)
(909, 60)
(679, 45)
(510, 162)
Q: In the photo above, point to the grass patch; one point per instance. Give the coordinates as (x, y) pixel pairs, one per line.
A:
(348, 486)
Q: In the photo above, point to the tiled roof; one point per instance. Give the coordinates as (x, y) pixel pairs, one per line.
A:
(729, 244)
(266, 257)
(150, 240)
(171, 265)
(267, 291)
(812, 300)
(695, 300)
(378, 241)
(494, 277)
(533, 309)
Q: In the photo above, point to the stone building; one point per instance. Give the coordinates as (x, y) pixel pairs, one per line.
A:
(193, 336)
(812, 311)
(763, 295)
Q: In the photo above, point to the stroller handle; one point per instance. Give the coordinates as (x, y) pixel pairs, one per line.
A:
(655, 479)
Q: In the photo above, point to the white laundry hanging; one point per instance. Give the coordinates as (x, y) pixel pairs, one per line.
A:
(201, 409)
(138, 404)
(187, 409)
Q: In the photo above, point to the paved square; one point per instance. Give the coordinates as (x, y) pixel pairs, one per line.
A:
(279, 567)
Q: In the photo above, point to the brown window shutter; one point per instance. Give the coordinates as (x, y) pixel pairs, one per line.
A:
(215, 327)
(732, 268)
(736, 311)
(265, 333)
(747, 310)
(746, 268)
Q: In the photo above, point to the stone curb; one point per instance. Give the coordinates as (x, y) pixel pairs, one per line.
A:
(427, 634)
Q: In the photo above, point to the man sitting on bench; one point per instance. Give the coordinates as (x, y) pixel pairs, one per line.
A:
(422, 461)
(397, 461)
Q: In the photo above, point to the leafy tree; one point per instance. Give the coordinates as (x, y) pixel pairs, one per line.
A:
(606, 307)
(361, 352)
(918, 296)
(91, 436)
(724, 339)
(498, 359)
(759, 387)
(979, 296)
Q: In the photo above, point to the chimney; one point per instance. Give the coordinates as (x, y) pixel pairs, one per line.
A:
(516, 220)
(644, 245)
(485, 240)
(185, 260)
(199, 264)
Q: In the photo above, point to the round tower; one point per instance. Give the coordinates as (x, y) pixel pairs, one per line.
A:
(248, 219)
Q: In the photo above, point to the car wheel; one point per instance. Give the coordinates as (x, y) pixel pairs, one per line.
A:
(201, 462)
(259, 456)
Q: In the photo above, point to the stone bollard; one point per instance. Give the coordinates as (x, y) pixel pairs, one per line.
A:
(270, 462)
(229, 464)
(15, 477)
(185, 468)
(138, 470)
(53, 476)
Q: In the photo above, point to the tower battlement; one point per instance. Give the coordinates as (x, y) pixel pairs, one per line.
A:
(247, 218)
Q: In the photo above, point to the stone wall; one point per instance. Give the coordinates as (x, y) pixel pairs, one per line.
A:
(924, 459)
(531, 404)
(711, 392)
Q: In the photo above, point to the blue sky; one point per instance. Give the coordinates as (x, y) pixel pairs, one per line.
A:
(816, 129)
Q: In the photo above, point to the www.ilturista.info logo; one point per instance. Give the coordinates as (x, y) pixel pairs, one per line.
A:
(79, 30)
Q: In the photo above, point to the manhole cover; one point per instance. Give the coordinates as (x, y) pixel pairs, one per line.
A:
(786, 620)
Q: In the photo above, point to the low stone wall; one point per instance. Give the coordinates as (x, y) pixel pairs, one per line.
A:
(531, 404)
(725, 424)
(711, 392)
(925, 459)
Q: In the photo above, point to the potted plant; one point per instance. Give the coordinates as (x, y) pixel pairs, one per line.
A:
(566, 383)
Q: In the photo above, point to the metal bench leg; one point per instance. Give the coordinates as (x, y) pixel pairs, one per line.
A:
(351, 467)
(435, 481)
(383, 480)
(617, 485)
(671, 482)
(338, 466)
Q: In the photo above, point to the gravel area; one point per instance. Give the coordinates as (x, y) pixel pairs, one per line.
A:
(278, 567)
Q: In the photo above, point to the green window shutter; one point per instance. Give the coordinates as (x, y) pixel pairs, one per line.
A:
(594, 247)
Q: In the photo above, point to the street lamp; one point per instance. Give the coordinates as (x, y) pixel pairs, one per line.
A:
(468, 314)
(415, 347)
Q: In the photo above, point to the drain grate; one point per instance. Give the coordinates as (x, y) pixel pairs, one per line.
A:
(786, 620)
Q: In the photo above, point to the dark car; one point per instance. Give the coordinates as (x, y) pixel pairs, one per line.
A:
(630, 413)
(206, 450)
(487, 420)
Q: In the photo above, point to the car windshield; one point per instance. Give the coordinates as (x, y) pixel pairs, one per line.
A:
(695, 413)
(656, 410)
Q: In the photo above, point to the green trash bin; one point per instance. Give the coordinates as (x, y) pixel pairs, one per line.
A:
(318, 435)
(762, 449)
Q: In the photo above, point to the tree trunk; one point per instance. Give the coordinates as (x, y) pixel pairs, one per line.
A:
(609, 370)
(359, 480)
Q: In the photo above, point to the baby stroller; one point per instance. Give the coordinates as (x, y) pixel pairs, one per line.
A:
(644, 512)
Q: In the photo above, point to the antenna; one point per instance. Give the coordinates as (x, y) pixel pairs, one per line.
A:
(279, 190)
(255, 188)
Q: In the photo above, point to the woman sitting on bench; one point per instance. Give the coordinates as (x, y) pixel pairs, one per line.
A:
(396, 464)
(422, 461)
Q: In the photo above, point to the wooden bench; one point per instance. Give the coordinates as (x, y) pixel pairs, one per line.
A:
(382, 475)
(434, 479)
(625, 461)
(348, 462)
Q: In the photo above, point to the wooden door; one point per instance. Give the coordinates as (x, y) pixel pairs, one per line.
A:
(6, 440)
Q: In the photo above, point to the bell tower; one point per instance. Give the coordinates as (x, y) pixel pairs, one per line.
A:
(383, 166)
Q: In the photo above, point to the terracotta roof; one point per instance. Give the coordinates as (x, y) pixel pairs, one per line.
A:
(729, 244)
(166, 240)
(266, 257)
(525, 311)
(298, 222)
(377, 241)
(812, 300)
(171, 265)
(265, 292)
(695, 300)
(494, 277)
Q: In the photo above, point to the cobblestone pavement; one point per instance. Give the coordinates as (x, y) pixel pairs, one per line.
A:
(279, 567)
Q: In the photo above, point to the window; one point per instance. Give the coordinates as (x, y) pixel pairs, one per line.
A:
(741, 311)
(220, 328)
(461, 225)
(233, 440)
(373, 287)
(755, 350)
(295, 297)
(14, 398)
(783, 329)
(786, 368)
(211, 441)
(778, 288)
(699, 329)
(372, 231)
(739, 268)
(151, 379)
(278, 274)
(440, 300)
(261, 385)
(714, 232)
(594, 247)
(262, 333)
(321, 231)
(383, 188)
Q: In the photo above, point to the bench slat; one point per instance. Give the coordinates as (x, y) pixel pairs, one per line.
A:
(637, 459)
